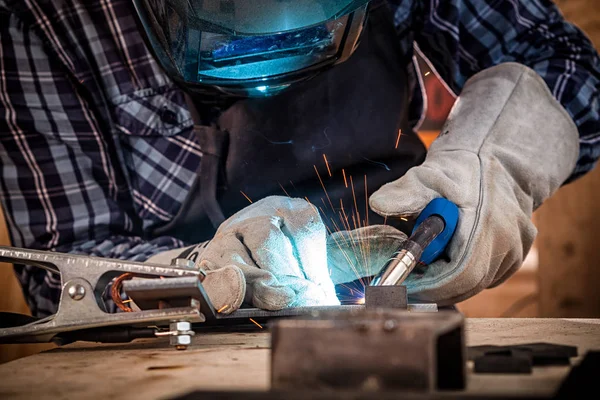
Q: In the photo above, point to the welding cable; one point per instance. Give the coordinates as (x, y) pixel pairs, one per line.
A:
(115, 291)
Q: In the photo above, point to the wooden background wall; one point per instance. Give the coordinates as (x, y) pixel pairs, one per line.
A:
(569, 223)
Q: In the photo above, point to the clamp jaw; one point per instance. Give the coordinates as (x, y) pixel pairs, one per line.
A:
(167, 294)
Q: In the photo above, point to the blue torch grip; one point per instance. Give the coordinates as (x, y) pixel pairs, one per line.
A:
(446, 210)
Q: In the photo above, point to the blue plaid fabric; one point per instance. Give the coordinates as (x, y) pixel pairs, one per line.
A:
(96, 142)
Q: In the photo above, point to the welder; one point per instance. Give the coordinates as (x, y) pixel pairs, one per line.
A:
(155, 129)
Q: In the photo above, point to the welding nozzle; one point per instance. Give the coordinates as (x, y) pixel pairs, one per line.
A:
(431, 234)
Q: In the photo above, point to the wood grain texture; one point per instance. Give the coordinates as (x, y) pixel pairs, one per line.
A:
(150, 369)
(569, 222)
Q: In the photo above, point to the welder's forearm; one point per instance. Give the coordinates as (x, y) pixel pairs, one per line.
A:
(531, 32)
(573, 76)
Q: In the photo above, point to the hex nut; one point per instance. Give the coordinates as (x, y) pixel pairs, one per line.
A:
(181, 327)
(181, 340)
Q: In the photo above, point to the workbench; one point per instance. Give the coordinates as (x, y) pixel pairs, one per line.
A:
(151, 369)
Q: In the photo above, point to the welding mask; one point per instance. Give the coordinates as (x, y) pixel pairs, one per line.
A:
(249, 48)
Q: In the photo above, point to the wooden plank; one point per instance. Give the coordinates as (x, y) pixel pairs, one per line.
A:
(150, 369)
(568, 222)
(568, 251)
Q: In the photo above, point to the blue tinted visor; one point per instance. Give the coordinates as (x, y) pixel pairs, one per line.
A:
(249, 46)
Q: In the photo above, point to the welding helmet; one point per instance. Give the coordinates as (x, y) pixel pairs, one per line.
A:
(249, 48)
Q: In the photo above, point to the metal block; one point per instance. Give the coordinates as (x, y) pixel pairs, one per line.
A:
(386, 297)
(381, 349)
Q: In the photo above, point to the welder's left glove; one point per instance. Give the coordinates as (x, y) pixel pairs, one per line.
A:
(507, 146)
(272, 254)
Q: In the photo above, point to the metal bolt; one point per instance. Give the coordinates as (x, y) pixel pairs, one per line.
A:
(76, 291)
(181, 342)
(183, 263)
(181, 334)
(390, 325)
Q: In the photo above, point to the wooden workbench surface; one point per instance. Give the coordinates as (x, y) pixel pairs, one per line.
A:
(150, 369)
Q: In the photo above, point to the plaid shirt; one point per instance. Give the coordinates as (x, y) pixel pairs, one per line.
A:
(96, 142)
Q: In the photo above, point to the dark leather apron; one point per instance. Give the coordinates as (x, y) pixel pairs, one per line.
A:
(351, 113)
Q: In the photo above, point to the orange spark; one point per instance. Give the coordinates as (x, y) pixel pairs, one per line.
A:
(343, 220)
(355, 204)
(403, 219)
(244, 194)
(321, 208)
(323, 186)
(256, 323)
(313, 206)
(427, 73)
(225, 307)
(284, 191)
(398, 140)
(350, 263)
(345, 180)
(127, 301)
(327, 164)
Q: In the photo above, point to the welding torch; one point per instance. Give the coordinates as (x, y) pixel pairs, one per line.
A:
(430, 236)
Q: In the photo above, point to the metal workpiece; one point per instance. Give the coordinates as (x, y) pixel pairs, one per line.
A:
(369, 350)
(84, 279)
(386, 297)
(395, 297)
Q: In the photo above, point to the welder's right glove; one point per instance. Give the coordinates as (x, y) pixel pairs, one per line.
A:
(507, 146)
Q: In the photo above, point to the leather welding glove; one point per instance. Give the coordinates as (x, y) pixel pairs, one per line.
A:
(361, 253)
(506, 147)
(272, 254)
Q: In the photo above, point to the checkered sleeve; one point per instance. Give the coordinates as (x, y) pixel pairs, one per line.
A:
(60, 185)
(463, 37)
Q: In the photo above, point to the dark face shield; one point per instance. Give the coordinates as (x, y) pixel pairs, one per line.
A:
(250, 47)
